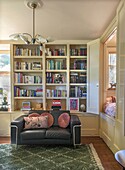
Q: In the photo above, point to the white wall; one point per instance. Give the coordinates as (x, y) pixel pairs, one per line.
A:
(113, 130)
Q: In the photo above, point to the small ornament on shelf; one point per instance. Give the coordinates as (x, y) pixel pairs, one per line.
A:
(26, 106)
(39, 106)
(56, 104)
(4, 106)
(82, 108)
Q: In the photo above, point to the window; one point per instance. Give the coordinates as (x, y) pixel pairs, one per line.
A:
(112, 70)
(5, 90)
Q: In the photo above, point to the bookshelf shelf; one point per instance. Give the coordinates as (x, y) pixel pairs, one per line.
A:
(24, 84)
(56, 97)
(56, 57)
(27, 71)
(78, 84)
(82, 97)
(75, 70)
(56, 84)
(79, 57)
(28, 57)
(59, 71)
(27, 98)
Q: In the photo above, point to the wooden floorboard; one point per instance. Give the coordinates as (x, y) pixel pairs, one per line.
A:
(105, 154)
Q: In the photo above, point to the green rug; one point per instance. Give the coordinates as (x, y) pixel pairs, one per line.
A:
(36, 157)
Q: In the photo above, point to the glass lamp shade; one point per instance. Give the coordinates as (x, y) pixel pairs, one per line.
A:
(40, 39)
(26, 38)
(15, 36)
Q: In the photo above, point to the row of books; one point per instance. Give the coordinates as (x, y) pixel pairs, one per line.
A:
(78, 52)
(78, 78)
(56, 64)
(79, 64)
(55, 78)
(18, 92)
(76, 91)
(56, 52)
(27, 65)
(28, 52)
(28, 79)
(56, 93)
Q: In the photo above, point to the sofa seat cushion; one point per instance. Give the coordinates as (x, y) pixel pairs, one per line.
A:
(33, 134)
(58, 133)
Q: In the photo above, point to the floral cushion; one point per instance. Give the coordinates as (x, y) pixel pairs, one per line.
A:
(63, 120)
(50, 118)
(36, 122)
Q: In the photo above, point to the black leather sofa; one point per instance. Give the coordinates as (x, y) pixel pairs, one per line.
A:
(70, 135)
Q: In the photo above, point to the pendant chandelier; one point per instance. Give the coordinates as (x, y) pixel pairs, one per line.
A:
(26, 37)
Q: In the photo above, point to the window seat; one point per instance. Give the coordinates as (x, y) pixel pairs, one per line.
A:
(107, 129)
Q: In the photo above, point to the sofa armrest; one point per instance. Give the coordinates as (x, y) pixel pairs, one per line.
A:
(74, 121)
(16, 127)
(75, 126)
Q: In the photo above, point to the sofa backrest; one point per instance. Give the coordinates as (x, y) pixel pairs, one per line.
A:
(55, 113)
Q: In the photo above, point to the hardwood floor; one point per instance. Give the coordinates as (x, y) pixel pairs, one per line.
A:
(105, 154)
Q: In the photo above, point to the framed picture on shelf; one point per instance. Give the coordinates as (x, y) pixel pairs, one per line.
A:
(74, 104)
(26, 106)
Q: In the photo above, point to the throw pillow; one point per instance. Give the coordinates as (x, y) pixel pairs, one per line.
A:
(33, 115)
(110, 109)
(50, 118)
(36, 122)
(63, 120)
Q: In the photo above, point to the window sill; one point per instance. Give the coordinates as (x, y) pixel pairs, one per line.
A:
(111, 89)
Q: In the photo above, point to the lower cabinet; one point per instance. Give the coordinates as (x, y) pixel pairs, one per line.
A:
(5, 120)
(89, 122)
(107, 129)
(5, 124)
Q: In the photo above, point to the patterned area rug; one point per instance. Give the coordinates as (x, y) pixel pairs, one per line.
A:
(83, 157)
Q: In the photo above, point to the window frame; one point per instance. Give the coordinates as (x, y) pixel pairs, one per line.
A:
(110, 50)
(5, 50)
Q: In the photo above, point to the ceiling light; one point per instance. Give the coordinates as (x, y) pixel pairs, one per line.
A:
(27, 38)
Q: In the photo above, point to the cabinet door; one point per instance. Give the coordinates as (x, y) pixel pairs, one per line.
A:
(4, 124)
(93, 76)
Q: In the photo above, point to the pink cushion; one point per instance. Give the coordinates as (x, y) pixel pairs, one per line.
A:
(110, 109)
(50, 118)
(63, 120)
(33, 115)
(36, 122)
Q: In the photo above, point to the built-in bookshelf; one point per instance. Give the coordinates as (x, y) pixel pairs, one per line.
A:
(78, 73)
(57, 71)
(27, 75)
(56, 74)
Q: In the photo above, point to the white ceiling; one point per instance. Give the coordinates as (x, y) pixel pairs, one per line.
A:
(60, 19)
